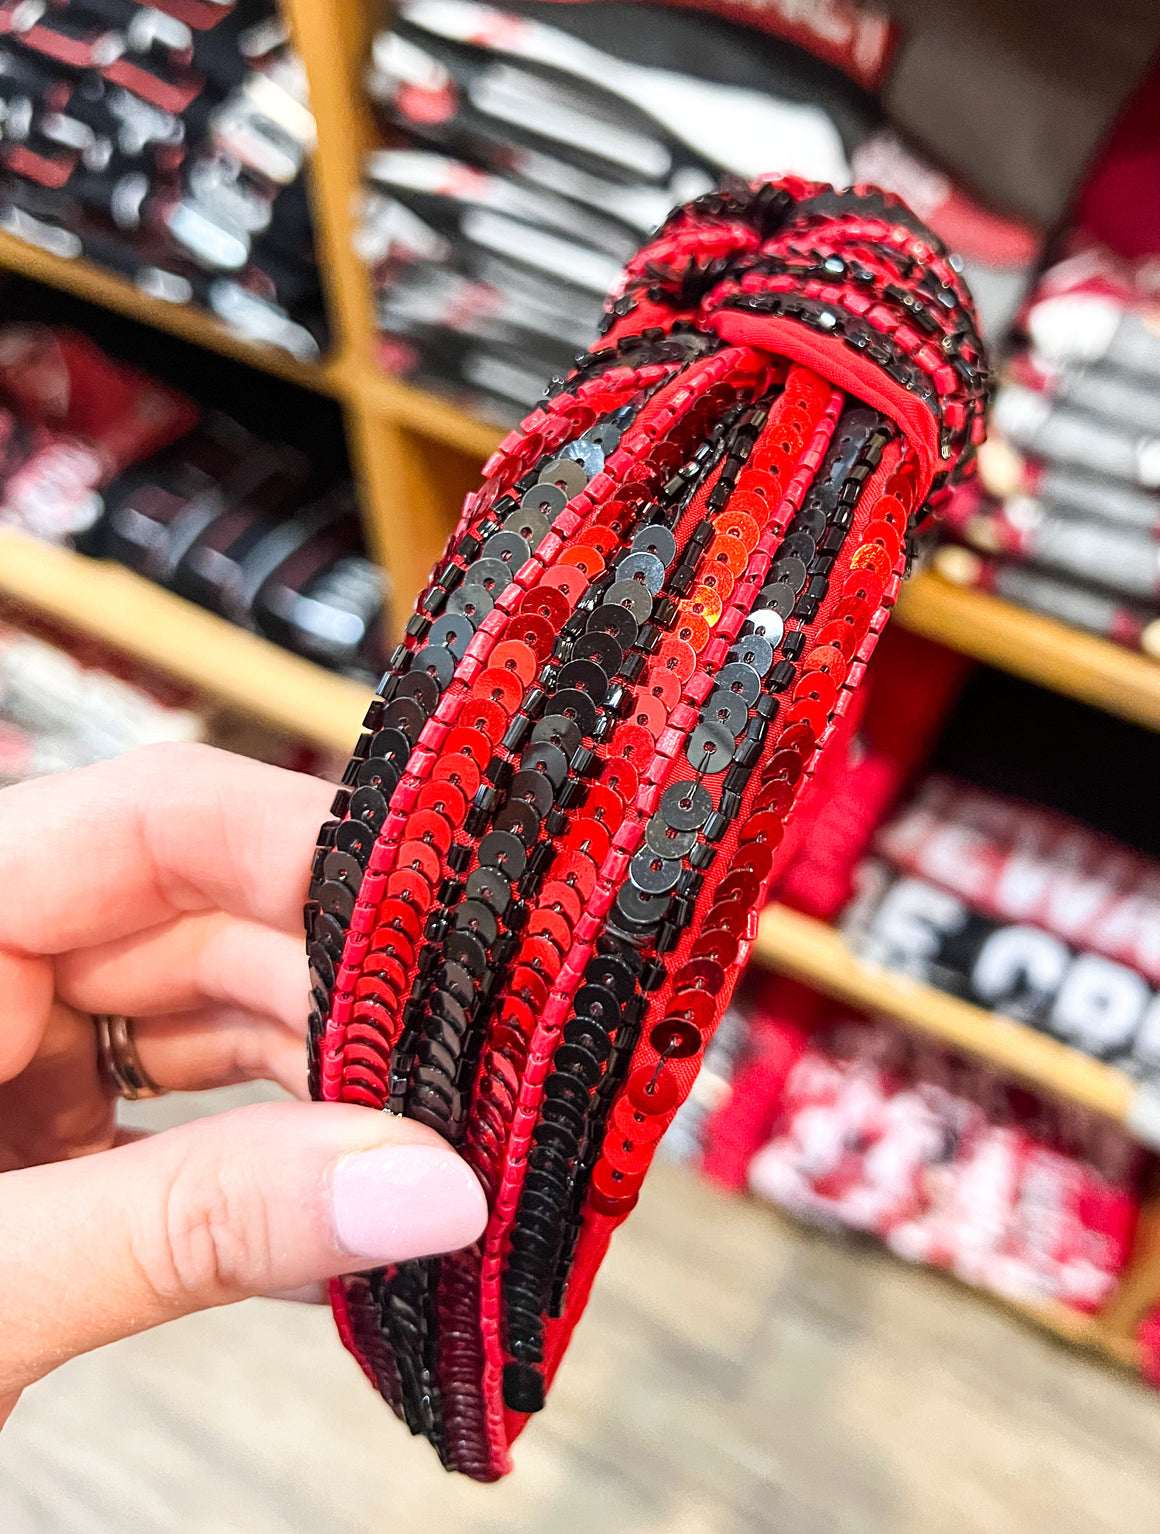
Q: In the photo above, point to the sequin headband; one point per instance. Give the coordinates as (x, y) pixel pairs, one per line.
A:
(578, 780)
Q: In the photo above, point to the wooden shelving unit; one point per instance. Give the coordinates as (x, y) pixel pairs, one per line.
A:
(414, 455)
(1056, 657)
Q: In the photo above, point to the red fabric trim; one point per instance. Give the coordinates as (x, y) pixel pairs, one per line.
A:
(857, 375)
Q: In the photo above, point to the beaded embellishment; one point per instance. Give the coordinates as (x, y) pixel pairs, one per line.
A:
(580, 774)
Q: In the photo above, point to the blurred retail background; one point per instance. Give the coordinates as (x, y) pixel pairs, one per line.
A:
(273, 286)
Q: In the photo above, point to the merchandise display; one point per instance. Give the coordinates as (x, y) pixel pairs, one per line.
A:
(168, 145)
(637, 699)
(1023, 911)
(125, 468)
(544, 141)
(951, 1167)
(241, 527)
(1068, 519)
(57, 713)
(575, 786)
(72, 419)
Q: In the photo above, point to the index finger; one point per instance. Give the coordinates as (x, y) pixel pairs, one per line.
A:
(95, 854)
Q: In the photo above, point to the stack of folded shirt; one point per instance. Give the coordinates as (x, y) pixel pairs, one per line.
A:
(56, 713)
(1067, 518)
(244, 528)
(1023, 911)
(534, 147)
(167, 143)
(951, 1167)
(101, 454)
(544, 143)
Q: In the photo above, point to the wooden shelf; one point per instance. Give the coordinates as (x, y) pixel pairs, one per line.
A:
(1073, 1326)
(110, 603)
(1097, 1333)
(1049, 653)
(186, 321)
(810, 950)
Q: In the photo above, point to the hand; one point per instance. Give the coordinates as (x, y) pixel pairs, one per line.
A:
(168, 886)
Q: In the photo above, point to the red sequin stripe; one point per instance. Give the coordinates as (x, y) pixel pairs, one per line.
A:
(681, 721)
(377, 1008)
(691, 403)
(439, 754)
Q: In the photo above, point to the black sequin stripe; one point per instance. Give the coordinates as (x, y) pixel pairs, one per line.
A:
(590, 1064)
(334, 888)
(421, 1398)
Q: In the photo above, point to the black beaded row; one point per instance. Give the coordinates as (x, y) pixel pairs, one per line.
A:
(599, 1040)
(490, 952)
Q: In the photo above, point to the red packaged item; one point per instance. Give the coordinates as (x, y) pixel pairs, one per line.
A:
(544, 869)
(201, 15)
(79, 44)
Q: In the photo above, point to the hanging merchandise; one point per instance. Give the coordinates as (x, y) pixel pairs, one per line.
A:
(542, 875)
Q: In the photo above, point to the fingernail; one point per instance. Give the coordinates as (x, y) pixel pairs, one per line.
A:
(403, 1201)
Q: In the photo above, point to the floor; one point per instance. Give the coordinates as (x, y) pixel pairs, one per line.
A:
(734, 1375)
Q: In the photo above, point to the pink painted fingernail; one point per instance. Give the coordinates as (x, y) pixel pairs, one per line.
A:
(403, 1201)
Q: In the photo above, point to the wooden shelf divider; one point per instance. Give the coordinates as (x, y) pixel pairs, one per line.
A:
(188, 322)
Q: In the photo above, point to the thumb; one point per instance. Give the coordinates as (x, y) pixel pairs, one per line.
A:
(261, 1199)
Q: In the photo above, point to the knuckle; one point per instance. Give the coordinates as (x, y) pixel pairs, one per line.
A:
(208, 1240)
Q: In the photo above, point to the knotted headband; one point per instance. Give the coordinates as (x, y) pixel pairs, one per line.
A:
(579, 777)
